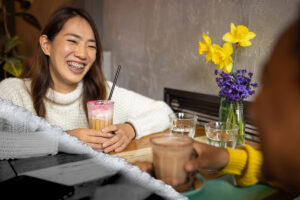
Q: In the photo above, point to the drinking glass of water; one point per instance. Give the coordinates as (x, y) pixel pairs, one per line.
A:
(220, 134)
(183, 123)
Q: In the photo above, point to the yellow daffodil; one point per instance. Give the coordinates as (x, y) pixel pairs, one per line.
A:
(239, 34)
(222, 56)
(205, 46)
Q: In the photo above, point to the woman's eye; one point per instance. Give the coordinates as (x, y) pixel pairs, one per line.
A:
(93, 47)
(72, 41)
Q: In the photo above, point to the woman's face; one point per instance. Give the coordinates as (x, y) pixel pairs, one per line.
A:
(71, 54)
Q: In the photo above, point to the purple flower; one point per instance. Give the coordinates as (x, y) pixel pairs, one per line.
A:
(255, 85)
(235, 86)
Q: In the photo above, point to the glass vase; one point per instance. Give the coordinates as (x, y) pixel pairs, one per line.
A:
(232, 112)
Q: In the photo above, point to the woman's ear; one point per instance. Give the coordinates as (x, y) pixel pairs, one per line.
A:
(45, 44)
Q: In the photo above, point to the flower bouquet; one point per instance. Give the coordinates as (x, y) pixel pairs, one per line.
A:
(235, 86)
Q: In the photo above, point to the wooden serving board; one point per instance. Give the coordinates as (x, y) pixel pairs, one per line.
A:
(144, 154)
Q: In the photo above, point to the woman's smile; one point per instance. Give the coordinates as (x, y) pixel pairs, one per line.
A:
(76, 67)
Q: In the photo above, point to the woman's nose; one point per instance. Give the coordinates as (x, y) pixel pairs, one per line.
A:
(81, 52)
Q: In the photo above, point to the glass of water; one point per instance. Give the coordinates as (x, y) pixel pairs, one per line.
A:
(183, 123)
(220, 134)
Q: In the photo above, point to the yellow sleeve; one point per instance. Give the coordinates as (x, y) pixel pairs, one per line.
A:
(245, 163)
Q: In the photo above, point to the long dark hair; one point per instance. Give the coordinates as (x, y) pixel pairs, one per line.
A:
(94, 84)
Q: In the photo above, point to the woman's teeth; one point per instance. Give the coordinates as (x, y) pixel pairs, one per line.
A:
(75, 65)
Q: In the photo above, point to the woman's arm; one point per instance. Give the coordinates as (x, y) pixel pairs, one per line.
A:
(245, 162)
(134, 116)
(145, 114)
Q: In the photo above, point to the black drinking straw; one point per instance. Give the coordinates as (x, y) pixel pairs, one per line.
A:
(114, 83)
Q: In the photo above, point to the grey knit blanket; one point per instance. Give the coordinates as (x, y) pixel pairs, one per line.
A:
(23, 134)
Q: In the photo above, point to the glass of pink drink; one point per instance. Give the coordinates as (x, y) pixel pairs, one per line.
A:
(100, 113)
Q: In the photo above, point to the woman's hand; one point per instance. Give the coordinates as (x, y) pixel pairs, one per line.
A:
(124, 133)
(208, 157)
(92, 137)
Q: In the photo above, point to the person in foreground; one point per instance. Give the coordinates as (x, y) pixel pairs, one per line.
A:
(67, 73)
(276, 112)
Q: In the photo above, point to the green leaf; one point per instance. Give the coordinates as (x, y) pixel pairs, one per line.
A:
(30, 19)
(11, 43)
(14, 67)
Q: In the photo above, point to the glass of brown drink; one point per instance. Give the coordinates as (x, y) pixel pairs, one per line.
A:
(170, 153)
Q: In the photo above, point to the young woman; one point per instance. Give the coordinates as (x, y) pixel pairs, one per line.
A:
(67, 73)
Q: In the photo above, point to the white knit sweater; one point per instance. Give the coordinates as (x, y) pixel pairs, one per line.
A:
(66, 110)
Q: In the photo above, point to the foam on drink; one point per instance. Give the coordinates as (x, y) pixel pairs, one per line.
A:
(100, 114)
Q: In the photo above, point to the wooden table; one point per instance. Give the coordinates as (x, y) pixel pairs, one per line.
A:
(144, 142)
(140, 150)
(137, 150)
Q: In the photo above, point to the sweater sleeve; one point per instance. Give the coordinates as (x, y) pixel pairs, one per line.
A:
(245, 163)
(9, 89)
(15, 90)
(145, 114)
(15, 145)
(154, 119)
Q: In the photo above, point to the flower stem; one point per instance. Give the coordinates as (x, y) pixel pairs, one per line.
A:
(235, 53)
(241, 125)
(231, 111)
